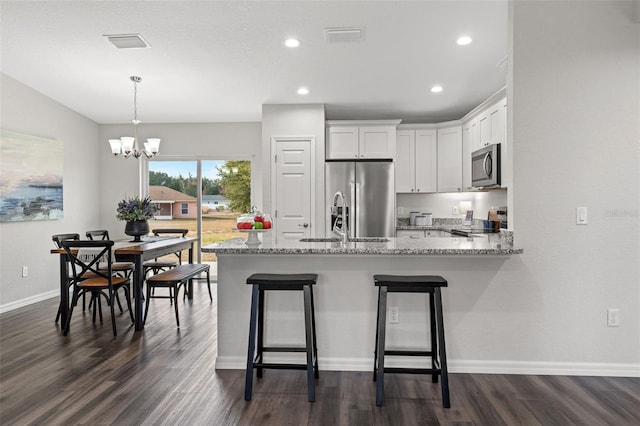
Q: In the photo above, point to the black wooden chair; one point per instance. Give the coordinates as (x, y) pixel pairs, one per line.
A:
(124, 269)
(88, 277)
(57, 239)
(156, 265)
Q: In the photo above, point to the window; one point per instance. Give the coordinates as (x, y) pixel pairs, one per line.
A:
(184, 207)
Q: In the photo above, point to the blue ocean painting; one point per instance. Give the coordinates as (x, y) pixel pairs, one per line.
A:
(30, 177)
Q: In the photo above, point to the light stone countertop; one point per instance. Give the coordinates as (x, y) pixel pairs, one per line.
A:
(490, 244)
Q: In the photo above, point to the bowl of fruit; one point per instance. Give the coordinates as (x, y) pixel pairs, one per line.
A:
(253, 223)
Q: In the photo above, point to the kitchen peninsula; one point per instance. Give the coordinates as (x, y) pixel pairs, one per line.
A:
(345, 297)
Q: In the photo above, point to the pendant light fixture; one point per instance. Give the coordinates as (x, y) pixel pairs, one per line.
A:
(127, 146)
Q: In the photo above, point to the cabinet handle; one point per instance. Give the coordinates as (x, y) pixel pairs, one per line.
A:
(412, 189)
(304, 225)
(418, 190)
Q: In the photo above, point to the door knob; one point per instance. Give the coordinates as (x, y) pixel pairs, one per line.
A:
(304, 225)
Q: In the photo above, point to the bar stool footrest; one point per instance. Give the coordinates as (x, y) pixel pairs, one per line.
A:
(405, 370)
(274, 366)
(396, 352)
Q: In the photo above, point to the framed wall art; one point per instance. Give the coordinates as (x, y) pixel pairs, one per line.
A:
(31, 171)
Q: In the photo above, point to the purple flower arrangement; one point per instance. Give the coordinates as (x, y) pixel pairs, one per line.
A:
(136, 209)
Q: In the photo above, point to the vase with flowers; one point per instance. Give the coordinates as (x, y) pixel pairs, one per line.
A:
(136, 211)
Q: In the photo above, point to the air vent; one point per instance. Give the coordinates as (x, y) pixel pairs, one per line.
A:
(335, 35)
(127, 41)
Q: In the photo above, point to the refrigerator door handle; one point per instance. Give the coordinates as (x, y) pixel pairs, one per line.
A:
(355, 221)
(351, 211)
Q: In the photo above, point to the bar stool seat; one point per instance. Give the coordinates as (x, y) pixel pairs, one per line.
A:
(281, 282)
(430, 284)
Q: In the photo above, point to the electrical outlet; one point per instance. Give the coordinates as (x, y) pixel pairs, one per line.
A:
(613, 317)
(25, 271)
(393, 315)
(455, 210)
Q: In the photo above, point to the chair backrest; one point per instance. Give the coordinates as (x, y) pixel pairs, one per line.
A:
(176, 232)
(86, 262)
(58, 238)
(101, 234)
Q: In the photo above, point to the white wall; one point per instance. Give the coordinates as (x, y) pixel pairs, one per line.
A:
(29, 243)
(576, 142)
(294, 120)
(119, 177)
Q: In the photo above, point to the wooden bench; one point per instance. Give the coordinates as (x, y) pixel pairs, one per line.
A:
(173, 279)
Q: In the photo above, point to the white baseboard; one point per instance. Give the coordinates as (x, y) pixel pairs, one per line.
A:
(460, 366)
(29, 300)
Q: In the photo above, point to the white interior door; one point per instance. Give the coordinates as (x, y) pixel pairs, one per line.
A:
(293, 188)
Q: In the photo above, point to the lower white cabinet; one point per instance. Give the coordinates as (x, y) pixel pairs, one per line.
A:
(409, 233)
(450, 159)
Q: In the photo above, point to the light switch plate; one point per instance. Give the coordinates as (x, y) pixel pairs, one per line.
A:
(581, 215)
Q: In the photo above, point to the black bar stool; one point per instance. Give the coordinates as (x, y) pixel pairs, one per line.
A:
(412, 284)
(283, 282)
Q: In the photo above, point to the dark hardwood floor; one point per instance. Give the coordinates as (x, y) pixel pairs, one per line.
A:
(166, 375)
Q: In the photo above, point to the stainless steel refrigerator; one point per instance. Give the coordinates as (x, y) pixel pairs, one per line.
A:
(368, 187)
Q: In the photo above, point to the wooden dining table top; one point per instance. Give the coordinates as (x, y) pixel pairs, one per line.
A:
(147, 244)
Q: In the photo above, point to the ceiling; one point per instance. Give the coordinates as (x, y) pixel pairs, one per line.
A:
(220, 61)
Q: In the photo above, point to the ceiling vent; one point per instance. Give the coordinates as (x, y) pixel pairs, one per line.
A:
(341, 34)
(127, 41)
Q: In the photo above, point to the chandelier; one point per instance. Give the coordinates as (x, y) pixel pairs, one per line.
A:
(127, 145)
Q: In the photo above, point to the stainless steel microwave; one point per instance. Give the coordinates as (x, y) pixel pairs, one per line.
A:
(485, 167)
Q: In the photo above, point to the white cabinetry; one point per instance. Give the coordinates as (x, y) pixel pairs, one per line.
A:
(361, 139)
(416, 165)
(491, 124)
(409, 233)
(469, 141)
(450, 159)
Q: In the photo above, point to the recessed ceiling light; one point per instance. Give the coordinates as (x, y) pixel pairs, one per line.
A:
(463, 40)
(303, 91)
(292, 42)
(436, 89)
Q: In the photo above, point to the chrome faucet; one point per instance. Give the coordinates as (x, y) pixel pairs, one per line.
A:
(341, 230)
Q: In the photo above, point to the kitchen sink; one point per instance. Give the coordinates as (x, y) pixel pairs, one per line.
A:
(351, 240)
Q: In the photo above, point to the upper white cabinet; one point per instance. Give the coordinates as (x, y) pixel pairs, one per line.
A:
(416, 160)
(469, 142)
(450, 159)
(348, 139)
(491, 125)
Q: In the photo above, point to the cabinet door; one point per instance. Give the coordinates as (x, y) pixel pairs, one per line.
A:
(342, 142)
(484, 130)
(497, 120)
(469, 140)
(426, 161)
(409, 233)
(405, 161)
(450, 159)
(377, 142)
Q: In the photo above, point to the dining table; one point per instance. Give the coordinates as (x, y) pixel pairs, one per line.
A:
(137, 253)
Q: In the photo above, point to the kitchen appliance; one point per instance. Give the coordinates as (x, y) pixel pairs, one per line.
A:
(369, 192)
(485, 167)
(412, 218)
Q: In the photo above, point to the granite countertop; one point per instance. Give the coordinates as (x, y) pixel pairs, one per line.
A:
(490, 244)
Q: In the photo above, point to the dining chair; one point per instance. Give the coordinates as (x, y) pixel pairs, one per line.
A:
(119, 268)
(57, 239)
(156, 265)
(84, 257)
(124, 269)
